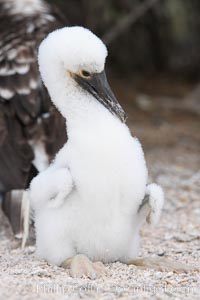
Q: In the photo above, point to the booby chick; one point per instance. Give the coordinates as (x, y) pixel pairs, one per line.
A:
(91, 202)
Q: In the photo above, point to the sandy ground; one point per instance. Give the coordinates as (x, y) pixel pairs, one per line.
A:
(171, 143)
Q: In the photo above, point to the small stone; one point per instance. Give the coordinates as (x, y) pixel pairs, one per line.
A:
(169, 274)
(162, 253)
(158, 275)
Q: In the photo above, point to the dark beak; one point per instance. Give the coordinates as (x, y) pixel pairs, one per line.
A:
(98, 86)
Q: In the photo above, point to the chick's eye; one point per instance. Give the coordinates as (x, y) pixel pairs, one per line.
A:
(85, 74)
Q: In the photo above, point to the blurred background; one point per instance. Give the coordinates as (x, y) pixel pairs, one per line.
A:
(153, 62)
(145, 37)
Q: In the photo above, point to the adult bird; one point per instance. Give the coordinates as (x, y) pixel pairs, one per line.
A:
(31, 128)
(92, 200)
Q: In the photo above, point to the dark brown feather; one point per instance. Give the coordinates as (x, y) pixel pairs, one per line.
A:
(23, 98)
(27, 115)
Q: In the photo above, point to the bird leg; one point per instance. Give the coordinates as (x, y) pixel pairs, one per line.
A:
(161, 264)
(81, 267)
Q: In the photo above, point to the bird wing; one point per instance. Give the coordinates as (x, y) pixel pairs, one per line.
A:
(60, 185)
(26, 113)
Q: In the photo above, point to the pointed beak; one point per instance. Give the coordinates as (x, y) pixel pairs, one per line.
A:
(98, 86)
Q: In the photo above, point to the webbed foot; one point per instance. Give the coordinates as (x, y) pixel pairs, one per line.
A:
(81, 267)
(162, 264)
